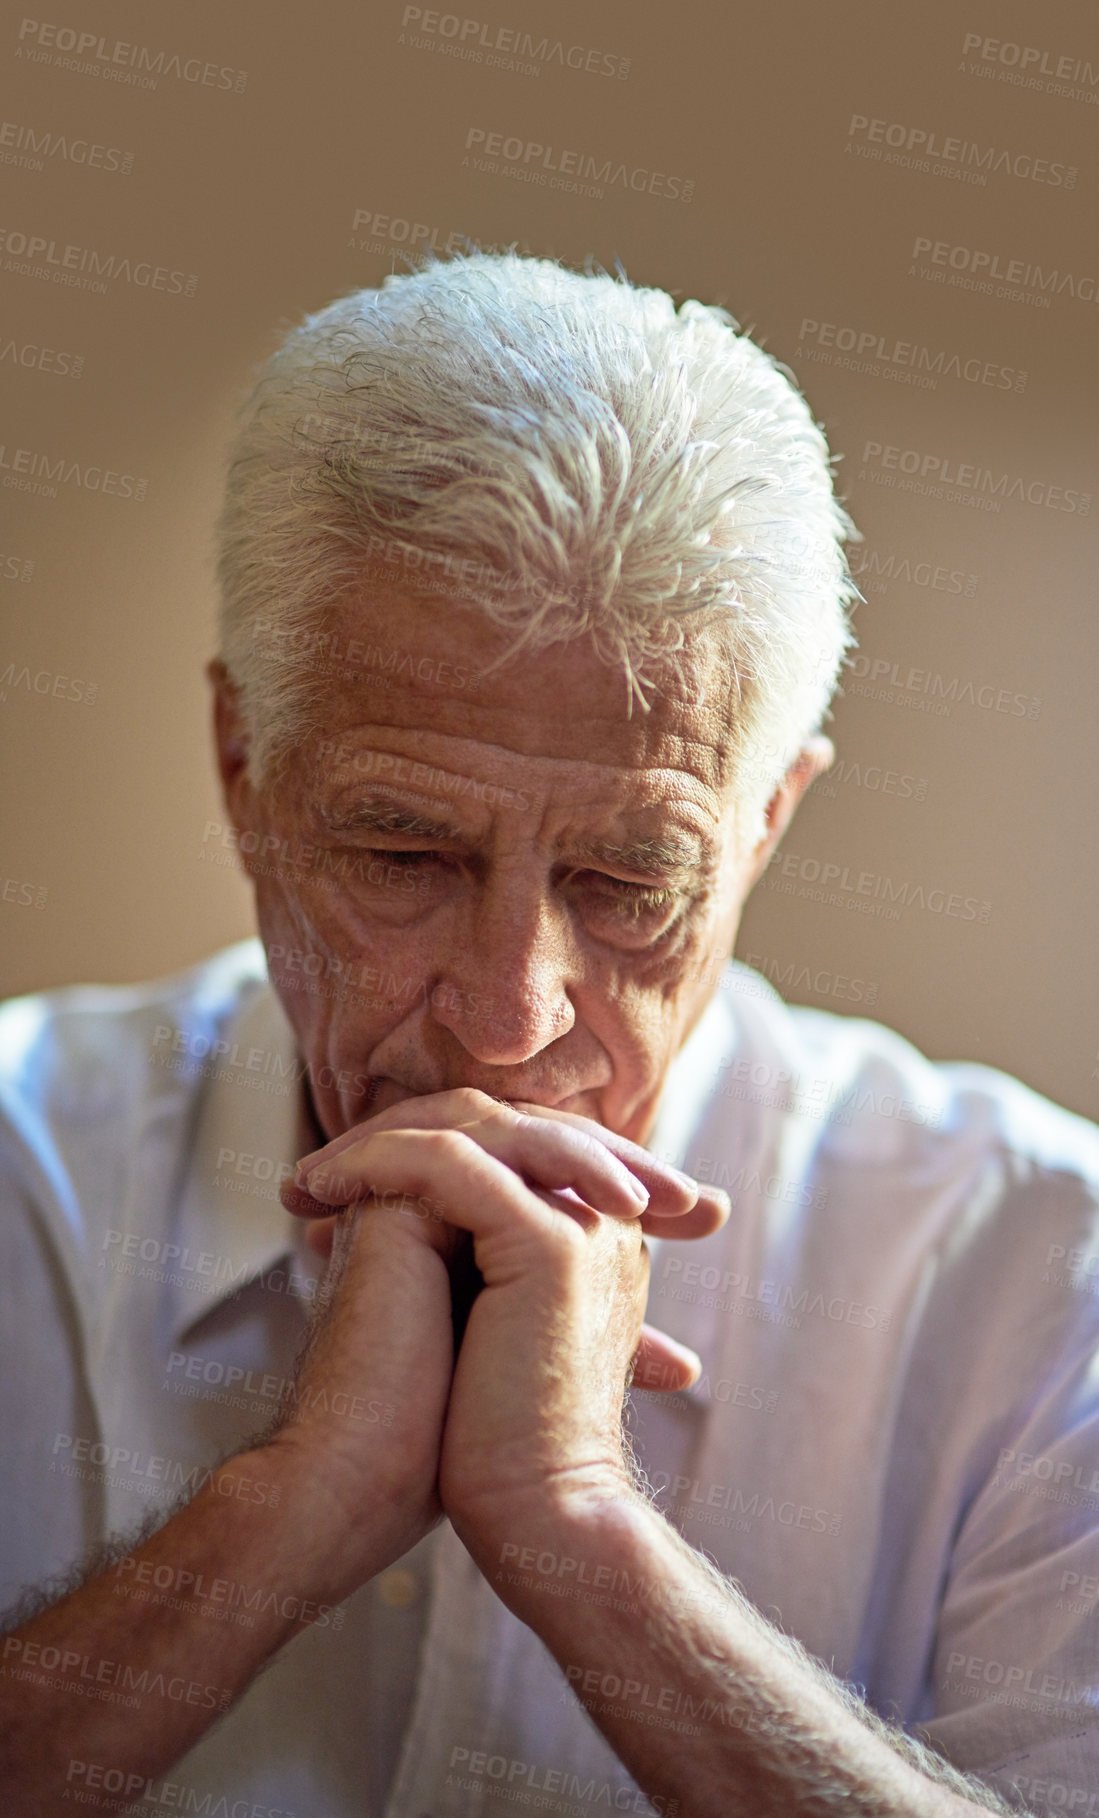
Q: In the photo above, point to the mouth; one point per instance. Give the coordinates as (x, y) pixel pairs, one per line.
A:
(383, 1092)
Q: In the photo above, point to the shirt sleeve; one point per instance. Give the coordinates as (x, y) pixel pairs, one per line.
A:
(47, 1517)
(1015, 1671)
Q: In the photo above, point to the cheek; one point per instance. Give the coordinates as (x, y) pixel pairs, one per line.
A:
(634, 1017)
(643, 1011)
(672, 969)
(345, 981)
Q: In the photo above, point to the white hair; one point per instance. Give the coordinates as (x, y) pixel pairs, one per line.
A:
(564, 451)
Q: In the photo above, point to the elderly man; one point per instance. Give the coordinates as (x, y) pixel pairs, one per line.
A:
(533, 604)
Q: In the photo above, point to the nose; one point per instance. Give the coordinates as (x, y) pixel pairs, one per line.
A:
(504, 991)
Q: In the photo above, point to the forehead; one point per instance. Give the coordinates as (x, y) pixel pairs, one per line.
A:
(429, 666)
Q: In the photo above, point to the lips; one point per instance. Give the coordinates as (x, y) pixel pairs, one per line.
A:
(384, 1092)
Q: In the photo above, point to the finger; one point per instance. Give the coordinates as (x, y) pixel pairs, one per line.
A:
(448, 1182)
(663, 1366)
(321, 1236)
(301, 1203)
(704, 1218)
(547, 1152)
(672, 1194)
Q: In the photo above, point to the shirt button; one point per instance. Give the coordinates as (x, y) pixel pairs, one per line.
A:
(398, 1588)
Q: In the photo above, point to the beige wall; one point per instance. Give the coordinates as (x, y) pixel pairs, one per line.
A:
(292, 177)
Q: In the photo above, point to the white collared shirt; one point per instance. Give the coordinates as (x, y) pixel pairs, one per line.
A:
(894, 1447)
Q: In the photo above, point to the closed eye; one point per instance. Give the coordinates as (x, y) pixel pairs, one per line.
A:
(648, 895)
(394, 857)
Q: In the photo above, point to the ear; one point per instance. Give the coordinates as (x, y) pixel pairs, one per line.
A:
(812, 761)
(230, 738)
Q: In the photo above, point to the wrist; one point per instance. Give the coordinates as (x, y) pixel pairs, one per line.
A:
(343, 1531)
(563, 1547)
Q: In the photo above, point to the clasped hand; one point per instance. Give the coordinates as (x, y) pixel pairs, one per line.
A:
(552, 1211)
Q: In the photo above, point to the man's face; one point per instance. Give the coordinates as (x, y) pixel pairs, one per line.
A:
(498, 881)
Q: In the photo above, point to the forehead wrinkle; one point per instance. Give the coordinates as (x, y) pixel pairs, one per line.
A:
(675, 737)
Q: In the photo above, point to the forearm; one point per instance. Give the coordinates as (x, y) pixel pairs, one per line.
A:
(131, 1669)
(709, 1706)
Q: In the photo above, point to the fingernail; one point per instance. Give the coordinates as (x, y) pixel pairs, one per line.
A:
(689, 1357)
(640, 1192)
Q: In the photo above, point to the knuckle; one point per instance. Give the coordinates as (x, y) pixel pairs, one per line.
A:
(471, 1102)
(447, 1145)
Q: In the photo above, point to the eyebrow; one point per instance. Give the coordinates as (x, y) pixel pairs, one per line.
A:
(648, 857)
(386, 817)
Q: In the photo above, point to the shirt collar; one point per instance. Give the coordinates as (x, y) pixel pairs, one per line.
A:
(249, 1132)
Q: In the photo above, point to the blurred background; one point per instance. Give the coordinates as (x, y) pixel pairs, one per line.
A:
(898, 203)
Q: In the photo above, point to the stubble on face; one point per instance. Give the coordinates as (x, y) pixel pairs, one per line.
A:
(506, 962)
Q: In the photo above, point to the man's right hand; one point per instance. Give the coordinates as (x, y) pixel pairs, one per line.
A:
(365, 1423)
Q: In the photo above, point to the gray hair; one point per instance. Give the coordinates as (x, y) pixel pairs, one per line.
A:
(564, 451)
